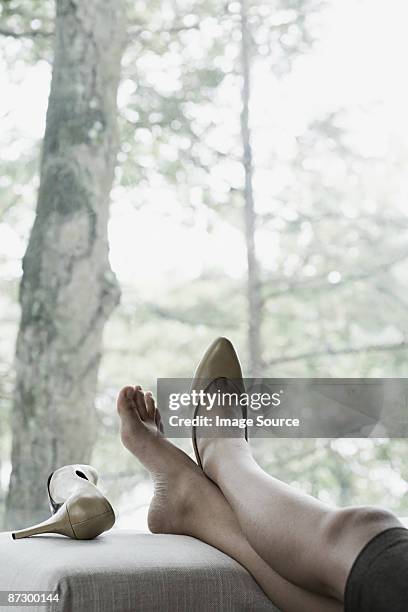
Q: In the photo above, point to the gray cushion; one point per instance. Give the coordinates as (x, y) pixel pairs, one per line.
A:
(129, 571)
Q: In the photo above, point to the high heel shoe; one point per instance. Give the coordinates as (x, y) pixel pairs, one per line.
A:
(219, 361)
(79, 510)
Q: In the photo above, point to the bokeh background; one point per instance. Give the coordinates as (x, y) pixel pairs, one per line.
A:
(260, 192)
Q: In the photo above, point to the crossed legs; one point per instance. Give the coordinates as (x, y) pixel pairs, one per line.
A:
(307, 542)
(298, 550)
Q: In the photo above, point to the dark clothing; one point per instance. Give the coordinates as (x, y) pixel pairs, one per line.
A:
(378, 580)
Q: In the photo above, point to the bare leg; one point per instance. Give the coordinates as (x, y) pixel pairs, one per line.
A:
(187, 502)
(310, 544)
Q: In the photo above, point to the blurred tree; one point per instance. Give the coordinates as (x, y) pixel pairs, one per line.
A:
(68, 289)
(326, 291)
(253, 279)
(328, 219)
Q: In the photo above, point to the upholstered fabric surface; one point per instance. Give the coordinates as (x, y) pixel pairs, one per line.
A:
(123, 571)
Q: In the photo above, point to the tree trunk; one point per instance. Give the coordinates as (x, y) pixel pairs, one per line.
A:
(68, 289)
(253, 281)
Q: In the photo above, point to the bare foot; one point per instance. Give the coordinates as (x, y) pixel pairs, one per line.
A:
(185, 501)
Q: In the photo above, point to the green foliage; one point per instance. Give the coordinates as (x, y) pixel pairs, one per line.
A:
(333, 269)
(30, 25)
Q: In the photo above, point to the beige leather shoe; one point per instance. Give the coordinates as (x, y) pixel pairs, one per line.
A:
(219, 361)
(80, 511)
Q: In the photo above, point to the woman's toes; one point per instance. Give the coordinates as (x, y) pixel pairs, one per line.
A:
(125, 399)
(150, 405)
(158, 421)
(140, 403)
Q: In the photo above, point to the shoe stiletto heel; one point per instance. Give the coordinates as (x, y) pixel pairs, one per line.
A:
(80, 511)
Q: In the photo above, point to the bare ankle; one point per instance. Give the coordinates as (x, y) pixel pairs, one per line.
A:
(219, 452)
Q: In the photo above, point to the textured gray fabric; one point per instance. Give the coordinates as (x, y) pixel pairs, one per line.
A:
(127, 571)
